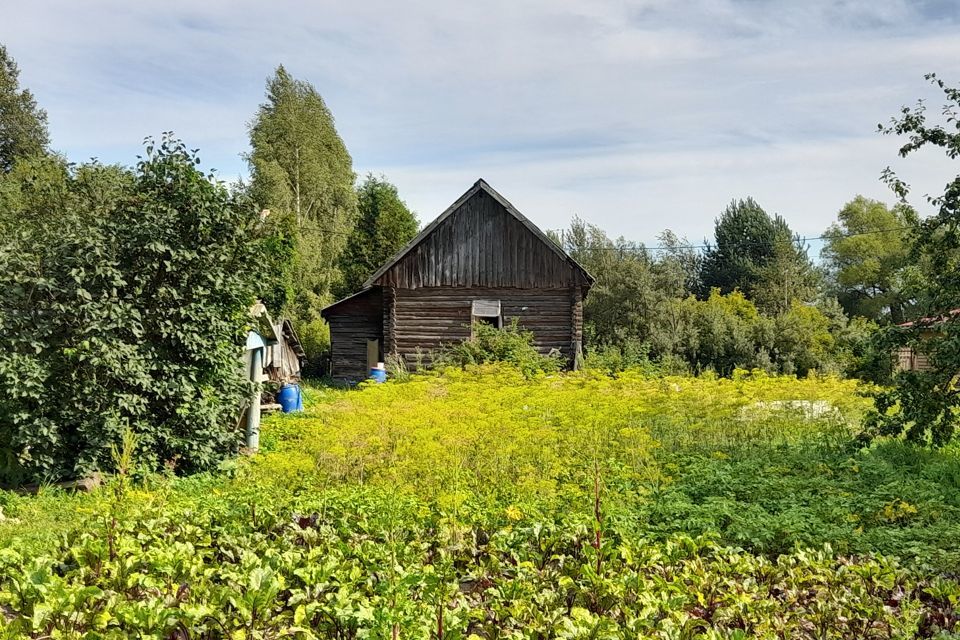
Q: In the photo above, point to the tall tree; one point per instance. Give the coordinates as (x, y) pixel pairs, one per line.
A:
(867, 252)
(744, 237)
(23, 125)
(787, 276)
(384, 225)
(635, 302)
(757, 254)
(641, 306)
(925, 405)
(618, 309)
(300, 168)
(678, 265)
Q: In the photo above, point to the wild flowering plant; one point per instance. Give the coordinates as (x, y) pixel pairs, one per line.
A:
(486, 503)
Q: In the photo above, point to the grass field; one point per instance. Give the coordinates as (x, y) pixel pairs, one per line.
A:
(486, 504)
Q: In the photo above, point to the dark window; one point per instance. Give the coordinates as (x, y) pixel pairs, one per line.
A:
(493, 321)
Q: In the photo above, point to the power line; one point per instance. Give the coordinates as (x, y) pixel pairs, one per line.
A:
(742, 244)
(567, 246)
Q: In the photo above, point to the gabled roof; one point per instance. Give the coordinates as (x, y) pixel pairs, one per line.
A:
(479, 185)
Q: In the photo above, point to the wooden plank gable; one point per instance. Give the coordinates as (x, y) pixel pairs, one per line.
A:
(481, 242)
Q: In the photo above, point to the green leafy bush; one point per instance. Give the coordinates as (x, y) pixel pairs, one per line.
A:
(314, 334)
(803, 342)
(611, 358)
(511, 344)
(123, 304)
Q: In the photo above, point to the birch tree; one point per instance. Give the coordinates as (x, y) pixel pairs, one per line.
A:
(300, 168)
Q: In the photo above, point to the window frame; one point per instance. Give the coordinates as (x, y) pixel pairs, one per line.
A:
(489, 310)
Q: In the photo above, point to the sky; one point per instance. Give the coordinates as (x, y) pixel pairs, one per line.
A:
(635, 116)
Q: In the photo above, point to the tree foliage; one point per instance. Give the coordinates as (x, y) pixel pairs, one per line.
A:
(635, 294)
(280, 258)
(642, 309)
(758, 255)
(925, 405)
(301, 168)
(23, 125)
(867, 252)
(131, 316)
(384, 226)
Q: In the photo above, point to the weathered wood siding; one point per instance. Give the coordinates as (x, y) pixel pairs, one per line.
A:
(428, 317)
(352, 323)
(482, 245)
(908, 359)
(480, 248)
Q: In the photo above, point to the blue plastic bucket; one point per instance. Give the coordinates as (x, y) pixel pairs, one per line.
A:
(290, 398)
(379, 375)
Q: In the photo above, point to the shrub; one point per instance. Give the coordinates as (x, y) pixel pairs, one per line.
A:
(727, 332)
(611, 358)
(803, 342)
(132, 317)
(314, 335)
(511, 344)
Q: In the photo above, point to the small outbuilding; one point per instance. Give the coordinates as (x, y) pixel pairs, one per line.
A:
(272, 353)
(481, 260)
(911, 359)
(283, 359)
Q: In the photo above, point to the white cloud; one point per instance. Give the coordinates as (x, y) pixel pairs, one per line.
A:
(637, 115)
(638, 193)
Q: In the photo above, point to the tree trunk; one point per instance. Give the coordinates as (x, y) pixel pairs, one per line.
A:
(296, 185)
(896, 312)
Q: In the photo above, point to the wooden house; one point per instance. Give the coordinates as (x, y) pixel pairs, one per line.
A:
(481, 260)
(910, 359)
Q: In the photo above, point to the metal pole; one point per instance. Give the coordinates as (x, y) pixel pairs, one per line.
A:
(253, 414)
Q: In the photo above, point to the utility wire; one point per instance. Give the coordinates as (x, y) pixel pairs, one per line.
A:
(567, 246)
(742, 244)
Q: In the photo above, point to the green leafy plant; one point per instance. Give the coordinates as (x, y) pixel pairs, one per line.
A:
(511, 344)
(132, 314)
(482, 502)
(925, 405)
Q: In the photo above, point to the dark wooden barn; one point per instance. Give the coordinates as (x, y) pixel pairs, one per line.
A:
(480, 261)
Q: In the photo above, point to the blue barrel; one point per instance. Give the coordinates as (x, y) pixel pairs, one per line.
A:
(378, 374)
(290, 398)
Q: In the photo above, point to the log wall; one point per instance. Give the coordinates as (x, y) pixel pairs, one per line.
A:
(430, 317)
(481, 248)
(353, 323)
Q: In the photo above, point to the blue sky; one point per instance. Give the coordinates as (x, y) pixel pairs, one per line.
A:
(637, 116)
